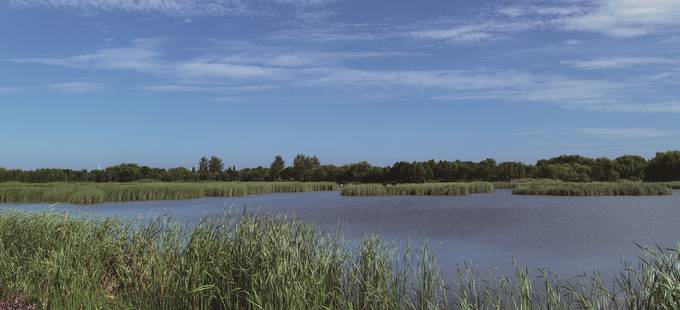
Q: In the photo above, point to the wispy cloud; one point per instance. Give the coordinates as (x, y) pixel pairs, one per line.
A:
(174, 88)
(122, 58)
(286, 58)
(620, 62)
(7, 90)
(322, 30)
(208, 88)
(473, 32)
(627, 18)
(238, 67)
(530, 133)
(231, 99)
(237, 61)
(77, 87)
(525, 87)
(618, 18)
(150, 61)
(627, 133)
(166, 7)
(670, 106)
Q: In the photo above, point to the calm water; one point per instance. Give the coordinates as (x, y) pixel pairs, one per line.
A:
(569, 235)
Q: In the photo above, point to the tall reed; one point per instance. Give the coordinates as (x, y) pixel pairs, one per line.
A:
(672, 185)
(519, 182)
(61, 262)
(88, 193)
(593, 189)
(426, 189)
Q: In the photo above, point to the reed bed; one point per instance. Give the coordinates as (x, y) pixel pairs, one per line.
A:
(671, 185)
(425, 189)
(61, 262)
(89, 193)
(520, 182)
(593, 189)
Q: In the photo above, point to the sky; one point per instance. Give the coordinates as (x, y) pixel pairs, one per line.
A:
(85, 83)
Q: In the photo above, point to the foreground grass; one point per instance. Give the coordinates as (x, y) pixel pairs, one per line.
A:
(264, 263)
(592, 189)
(88, 193)
(425, 189)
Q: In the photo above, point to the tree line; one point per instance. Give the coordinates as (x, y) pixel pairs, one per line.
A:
(665, 166)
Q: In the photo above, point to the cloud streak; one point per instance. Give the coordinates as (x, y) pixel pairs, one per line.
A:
(627, 18)
(627, 133)
(617, 18)
(238, 67)
(620, 62)
(166, 7)
(7, 90)
(77, 87)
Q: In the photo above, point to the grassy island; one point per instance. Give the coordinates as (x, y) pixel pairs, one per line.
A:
(672, 185)
(425, 189)
(592, 189)
(88, 193)
(54, 261)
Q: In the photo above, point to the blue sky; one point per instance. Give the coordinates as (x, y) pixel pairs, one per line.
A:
(99, 82)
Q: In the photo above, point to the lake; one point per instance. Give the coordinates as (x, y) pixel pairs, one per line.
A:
(569, 235)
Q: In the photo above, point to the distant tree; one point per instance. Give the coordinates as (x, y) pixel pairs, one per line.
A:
(565, 172)
(126, 172)
(377, 175)
(304, 167)
(405, 172)
(417, 173)
(215, 165)
(148, 173)
(664, 167)
(332, 173)
(631, 167)
(287, 174)
(356, 172)
(47, 175)
(604, 170)
(399, 172)
(508, 171)
(572, 168)
(254, 174)
(180, 174)
(231, 174)
(276, 167)
(486, 170)
(203, 168)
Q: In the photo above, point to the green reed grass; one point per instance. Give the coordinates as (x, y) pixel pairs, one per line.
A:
(593, 189)
(672, 185)
(521, 182)
(88, 193)
(425, 189)
(62, 262)
(251, 263)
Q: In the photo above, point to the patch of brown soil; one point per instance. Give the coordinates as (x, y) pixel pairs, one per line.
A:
(17, 302)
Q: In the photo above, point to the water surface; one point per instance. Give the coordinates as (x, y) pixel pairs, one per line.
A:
(569, 235)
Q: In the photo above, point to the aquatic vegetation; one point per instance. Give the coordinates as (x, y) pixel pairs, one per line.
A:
(525, 181)
(62, 262)
(424, 189)
(593, 189)
(88, 193)
(671, 185)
